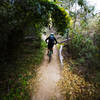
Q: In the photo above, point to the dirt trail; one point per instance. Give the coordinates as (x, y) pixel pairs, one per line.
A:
(49, 76)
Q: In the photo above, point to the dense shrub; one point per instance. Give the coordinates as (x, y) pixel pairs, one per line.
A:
(97, 40)
(83, 49)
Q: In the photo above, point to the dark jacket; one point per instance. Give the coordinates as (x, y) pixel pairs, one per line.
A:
(51, 40)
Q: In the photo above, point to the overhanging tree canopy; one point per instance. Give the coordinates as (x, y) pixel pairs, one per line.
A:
(38, 12)
(21, 16)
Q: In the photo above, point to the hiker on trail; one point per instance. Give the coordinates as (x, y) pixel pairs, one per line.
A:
(51, 41)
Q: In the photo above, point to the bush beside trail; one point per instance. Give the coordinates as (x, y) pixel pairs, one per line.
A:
(83, 49)
(16, 74)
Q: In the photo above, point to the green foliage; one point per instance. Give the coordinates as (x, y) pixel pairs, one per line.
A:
(18, 20)
(61, 20)
(82, 13)
(97, 40)
(81, 2)
(15, 75)
(25, 17)
(84, 50)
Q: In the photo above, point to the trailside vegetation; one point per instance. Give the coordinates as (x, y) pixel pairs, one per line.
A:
(21, 46)
(81, 72)
(22, 17)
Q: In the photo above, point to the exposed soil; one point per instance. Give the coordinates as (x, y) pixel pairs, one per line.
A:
(48, 76)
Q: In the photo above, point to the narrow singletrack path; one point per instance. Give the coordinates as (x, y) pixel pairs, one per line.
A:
(49, 75)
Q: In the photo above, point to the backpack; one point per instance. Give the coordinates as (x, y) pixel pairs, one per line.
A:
(51, 39)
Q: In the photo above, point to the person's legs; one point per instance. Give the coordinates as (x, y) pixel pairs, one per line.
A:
(50, 47)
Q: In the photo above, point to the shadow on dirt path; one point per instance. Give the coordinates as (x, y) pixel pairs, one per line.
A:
(49, 75)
